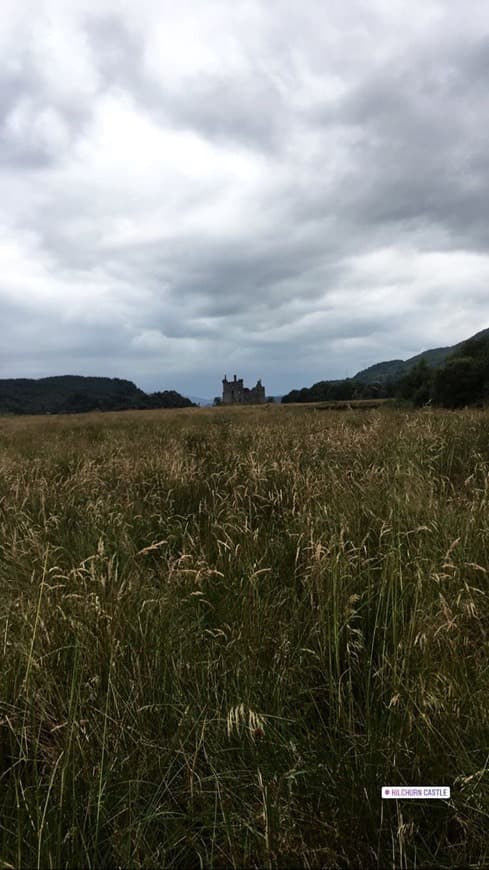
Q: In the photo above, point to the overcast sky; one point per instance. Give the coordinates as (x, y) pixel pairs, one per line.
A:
(285, 190)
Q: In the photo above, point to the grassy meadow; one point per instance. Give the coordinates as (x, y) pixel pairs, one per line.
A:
(223, 630)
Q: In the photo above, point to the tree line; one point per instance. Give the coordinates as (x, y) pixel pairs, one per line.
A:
(463, 379)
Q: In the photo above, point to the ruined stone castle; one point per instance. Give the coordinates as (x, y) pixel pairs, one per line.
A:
(234, 393)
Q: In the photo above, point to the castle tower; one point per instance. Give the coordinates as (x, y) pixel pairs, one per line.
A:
(235, 393)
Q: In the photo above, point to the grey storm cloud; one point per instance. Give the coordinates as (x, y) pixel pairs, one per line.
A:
(420, 128)
(294, 192)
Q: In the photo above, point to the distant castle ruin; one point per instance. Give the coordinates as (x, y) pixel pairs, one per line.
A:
(234, 393)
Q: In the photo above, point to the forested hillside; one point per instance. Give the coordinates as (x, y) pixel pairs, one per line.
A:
(69, 394)
(462, 380)
(447, 376)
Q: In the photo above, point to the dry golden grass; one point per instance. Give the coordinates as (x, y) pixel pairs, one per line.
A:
(222, 630)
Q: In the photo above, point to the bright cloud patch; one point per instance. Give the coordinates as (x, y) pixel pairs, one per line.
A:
(194, 188)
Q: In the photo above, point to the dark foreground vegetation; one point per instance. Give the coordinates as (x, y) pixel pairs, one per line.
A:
(73, 394)
(222, 631)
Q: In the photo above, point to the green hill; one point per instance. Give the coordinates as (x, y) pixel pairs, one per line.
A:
(69, 394)
(462, 380)
(383, 379)
(380, 372)
(394, 369)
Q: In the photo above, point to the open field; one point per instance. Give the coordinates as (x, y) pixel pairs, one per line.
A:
(223, 630)
(351, 404)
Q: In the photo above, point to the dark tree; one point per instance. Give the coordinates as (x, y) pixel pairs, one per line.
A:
(460, 382)
(417, 385)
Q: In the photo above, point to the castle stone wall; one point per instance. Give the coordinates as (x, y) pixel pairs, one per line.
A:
(235, 393)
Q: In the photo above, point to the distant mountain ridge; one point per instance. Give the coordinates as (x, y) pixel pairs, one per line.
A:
(392, 370)
(70, 394)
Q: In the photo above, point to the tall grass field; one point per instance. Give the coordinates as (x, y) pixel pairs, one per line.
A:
(223, 630)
